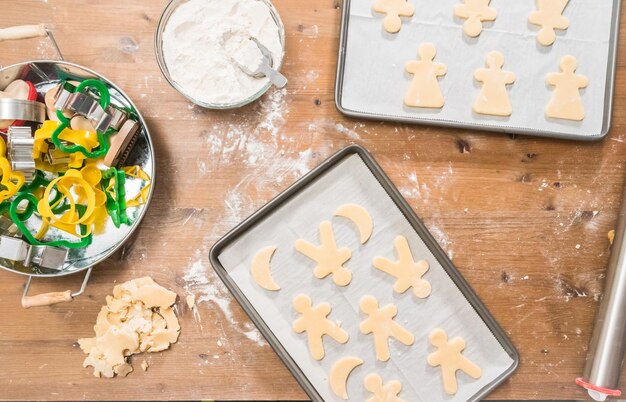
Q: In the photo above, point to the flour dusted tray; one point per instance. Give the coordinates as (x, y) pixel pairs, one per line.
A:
(371, 81)
(353, 176)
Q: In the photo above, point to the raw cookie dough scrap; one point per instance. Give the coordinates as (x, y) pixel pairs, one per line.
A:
(394, 9)
(339, 373)
(549, 16)
(566, 102)
(137, 318)
(424, 90)
(474, 12)
(449, 357)
(382, 392)
(493, 98)
(360, 217)
(380, 323)
(329, 258)
(313, 320)
(407, 272)
(260, 269)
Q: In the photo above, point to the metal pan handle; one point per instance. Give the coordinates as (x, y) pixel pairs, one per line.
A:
(48, 299)
(27, 32)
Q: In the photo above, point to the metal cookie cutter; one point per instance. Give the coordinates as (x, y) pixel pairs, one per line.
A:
(88, 106)
(16, 249)
(20, 151)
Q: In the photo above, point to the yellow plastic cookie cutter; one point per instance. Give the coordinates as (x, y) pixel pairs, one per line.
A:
(142, 196)
(11, 181)
(43, 138)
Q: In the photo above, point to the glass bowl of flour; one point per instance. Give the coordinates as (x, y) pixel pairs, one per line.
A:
(201, 46)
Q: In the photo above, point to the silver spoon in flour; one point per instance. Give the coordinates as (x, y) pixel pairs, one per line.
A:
(265, 67)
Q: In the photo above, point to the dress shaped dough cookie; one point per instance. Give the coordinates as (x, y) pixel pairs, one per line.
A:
(549, 15)
(329, 258)
(394, 10)
(474, 12)
(380, 323)
(493, 98)
(424, 90)
(382, 392)
(316, 325)
(449, 357)
(407, 272)
(566, 102)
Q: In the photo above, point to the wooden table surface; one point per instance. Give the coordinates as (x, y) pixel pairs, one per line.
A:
(524, 219)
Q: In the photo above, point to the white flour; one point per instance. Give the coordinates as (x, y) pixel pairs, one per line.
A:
(202, 40)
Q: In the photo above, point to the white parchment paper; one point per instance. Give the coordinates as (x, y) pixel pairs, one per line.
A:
(352, 182)
(375, 80)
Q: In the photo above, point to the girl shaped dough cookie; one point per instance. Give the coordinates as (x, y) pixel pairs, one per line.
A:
(475, 12)
(393, 9)
(424, 90)
(493, 98)
(549, 16)
(566, 102)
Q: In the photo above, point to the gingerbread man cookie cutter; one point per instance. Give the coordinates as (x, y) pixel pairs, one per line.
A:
(329, 258)
(313, 321)
(448, 356)
(549, 16)
(474, 12)
(380, 323)
(407, 272)
(394, 9)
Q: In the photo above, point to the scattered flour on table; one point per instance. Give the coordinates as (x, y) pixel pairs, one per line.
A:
(442, 239)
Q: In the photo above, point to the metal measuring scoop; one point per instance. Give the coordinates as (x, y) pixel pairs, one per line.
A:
(265, 69)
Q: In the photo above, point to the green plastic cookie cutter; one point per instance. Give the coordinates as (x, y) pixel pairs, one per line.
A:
(103, 138)
(19, 219)
(116, 203)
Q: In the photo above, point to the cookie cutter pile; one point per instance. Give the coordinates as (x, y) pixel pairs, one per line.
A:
(76, 167)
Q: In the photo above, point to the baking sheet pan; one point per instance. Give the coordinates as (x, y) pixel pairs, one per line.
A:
(352, 176)
(371, 80)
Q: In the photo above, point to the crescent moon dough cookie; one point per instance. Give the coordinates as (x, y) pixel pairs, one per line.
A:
(339, 373)
(394, 10)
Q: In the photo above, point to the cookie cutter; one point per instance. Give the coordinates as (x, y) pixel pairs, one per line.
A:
(16, 249)
(20, 143)
(22, 109)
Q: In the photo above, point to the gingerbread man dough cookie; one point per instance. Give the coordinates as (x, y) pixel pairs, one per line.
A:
(380, 323)
(449, 357)
(316, 325)
(493, 98)
(329, 258)
(394, 10)
(566, 102)
(424, 90)
(382, 392)
(549, 15)
(407, 272)
(474, 12)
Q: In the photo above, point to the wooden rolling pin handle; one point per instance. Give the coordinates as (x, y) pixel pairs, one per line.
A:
(47, 299)
(23, 32)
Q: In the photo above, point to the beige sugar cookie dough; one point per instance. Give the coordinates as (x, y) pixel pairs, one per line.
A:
(329, 258)
(407, 272)
(339, 373)
(474, 12)
(449, 357)
(394, 10)
(549, 16)
(566, 102)
(360, 217)
(313, 321)
(382, 392)
(137, 318)
(380, 323)
(261, 269)
(494, 98)
(424, 90)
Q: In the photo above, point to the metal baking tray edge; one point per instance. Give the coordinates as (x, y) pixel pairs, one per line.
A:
(411, 217)
(608, 99)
